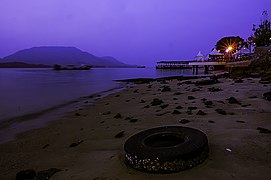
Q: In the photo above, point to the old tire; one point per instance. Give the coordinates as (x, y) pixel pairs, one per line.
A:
(166, 149)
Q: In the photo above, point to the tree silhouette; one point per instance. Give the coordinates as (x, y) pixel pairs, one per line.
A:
(232, 41)
(262, 34)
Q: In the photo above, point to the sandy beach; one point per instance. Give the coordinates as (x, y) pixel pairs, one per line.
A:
(83, 145)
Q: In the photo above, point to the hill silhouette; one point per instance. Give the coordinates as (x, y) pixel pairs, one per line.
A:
(51, 55)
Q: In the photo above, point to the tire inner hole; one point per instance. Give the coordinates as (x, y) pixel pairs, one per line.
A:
(163, 140)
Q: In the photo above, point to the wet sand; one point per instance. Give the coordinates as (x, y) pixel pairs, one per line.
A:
(83, 145)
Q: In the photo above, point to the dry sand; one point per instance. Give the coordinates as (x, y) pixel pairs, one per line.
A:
(237, 149)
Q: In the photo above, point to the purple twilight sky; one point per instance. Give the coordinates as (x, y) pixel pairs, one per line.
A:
(133, 31)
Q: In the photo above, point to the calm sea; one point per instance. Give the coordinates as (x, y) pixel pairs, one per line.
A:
(24, 91)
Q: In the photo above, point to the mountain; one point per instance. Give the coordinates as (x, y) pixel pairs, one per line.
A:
(50, 55)
(22, 65)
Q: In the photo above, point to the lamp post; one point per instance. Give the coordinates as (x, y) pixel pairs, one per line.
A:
(228, 50)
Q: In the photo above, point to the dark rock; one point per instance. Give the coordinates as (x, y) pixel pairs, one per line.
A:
(179, 107)
(107, 113)
(127, 100)
(161, 114)
(208, 103)
(184, 121)
(175, 99)
(147, 106)
(119, 135)
(156, 102)
(77, 114)
(176, 112)
(189, 112)
(221, 111)
(252, 97)
(201, 113)
(203, 99)
(149, 86)
(117, 95)
(211, 121)
(239, 81)
(26, 174)
(267, 96)
(191, 97)
(142, 101)
(263, 130)
(195, 89)
(136, 91)
(233, 100)
(45, 146)
(221, 102)
(86, 102)
(164, 106)
(206, 82)
(117, 116)
(76, 143)
(192, 108)
(245, 105)
(47, 174)
(214, 89)
(178, 93)
(165, 89)
(240, 121)
(133, 120)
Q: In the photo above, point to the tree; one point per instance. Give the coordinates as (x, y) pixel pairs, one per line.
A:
(262, 34)
(232, 41)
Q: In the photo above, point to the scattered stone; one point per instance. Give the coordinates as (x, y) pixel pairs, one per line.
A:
(90, 97)
(189, 112)
(117, 95)
(246, 105)
(178, 93)
(195, 89)
(76, 143)
(176, 112)
(221, 102)
(192, 108)
(184, 121)
(101, 122)
(233, 100)
(165, 89)
(142, 101)
(208, 103)
(147, 106)
(240, 121)
(136, 91)
(164, 106)
(77, 114)
(264, 130)
(117, 116)
(133, 120)
(191, 97)
(45, 146)
(239, 81)
(86, 102)
(161, 114)
(201, 113)
(149, 86)
(107, 113)
(221, 111)
(267, 96)
(203, 99)
(106, 104)
(47, 174)
(210, 121)
(237, 91)
(214, 89)
(252, 97)
(206, 82)
(26, 174)
(156, 102)
(127, 100)
(179, 107)
(119, 135)
(175, 99)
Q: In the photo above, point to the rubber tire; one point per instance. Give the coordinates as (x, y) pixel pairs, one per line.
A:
(193, 151)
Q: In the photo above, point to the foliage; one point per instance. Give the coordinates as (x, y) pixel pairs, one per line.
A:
(224, 43)
(262, 34)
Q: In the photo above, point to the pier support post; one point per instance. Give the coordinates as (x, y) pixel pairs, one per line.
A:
(206, 69)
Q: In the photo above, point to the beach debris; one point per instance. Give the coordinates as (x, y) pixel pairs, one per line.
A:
(156, 102)
(264, 130)
(117, 116)
(210, 121)
(26, 174)
(190, 97)
(176, 112)
(267, 95)
(76, 143)
(206, 82)
(201, 113)
(164, 106)
(233, 100)
(142, 101)
(45, 146)
(221, 111)
(240, 121)
(106, 113)
(161, 114)
(165, 89)
(119, 135)
(179, 107)
(228, 149)
(214, 89)
(192, 108)
(184, 121)
(77, 114)
(177, 93)
(47, 174)
(147, 106)
(239, 81)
